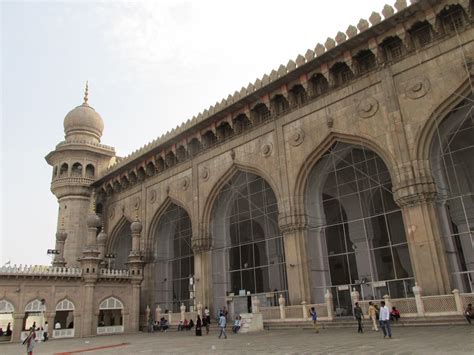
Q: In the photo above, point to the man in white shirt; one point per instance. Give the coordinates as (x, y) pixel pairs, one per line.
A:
(384, 318)
(57, 325)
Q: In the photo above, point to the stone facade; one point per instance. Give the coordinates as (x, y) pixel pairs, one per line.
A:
(384, 88)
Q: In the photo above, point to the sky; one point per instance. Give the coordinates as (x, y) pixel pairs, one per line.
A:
(150, 65)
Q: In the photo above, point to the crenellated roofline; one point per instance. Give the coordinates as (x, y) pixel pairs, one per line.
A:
(367, 35)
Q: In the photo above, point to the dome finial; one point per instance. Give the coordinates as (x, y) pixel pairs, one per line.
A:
(86, 93)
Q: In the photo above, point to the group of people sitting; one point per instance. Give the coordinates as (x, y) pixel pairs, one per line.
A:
(7, 332)
(185, 325)
(161, 326)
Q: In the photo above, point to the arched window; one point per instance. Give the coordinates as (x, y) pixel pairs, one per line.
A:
(453, 18)
(90, 171)
(208, 139)
(365, 61)
(160, 164)
(150, 169)
(63, 172)
(181, 154)
(110, 316)
(34, 312)
(341, 74)
(224, 131)
(76, 170)
(194, 146)
(248, 251)
(64, 320)
(280, 104)
(453, 169)
(298, 95)
(319, 85)
(6, 307)
(241, 123)
(173, 259)
(260, 113)
(6, 320)
(393, 48)
(122, 246)
(356, 234)
(421, 33)
(170, 159)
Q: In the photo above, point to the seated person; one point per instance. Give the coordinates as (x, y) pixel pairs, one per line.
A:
(191, 324)
(395, 314)
(1, 332)
(164, 324)
(180, 326)
(468, 313)
(186, 324)
(237, 324)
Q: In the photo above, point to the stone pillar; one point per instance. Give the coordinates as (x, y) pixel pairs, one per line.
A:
(329, 304)
(427, 252)
(281, 302)
(157, 313)
(199, 308)
(135, 267)
(420, 309)
(89, 323)
(255, 304)
(203, 269)
(305, 310)
(61, 237)
(294, 233)
(457, 299)
(49, 317)
(17, 326)
(183, 311)
(388, 302)
(355, 296)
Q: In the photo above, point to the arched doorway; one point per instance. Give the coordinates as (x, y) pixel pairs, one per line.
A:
(121, 246)
(356, 234)
(64, 320)
(34, 318)
(110, 316)
(173, 260)
(248, 250)
(6, 320)
(452, 165)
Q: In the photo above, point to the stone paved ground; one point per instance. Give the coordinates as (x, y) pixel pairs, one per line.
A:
(432, 340)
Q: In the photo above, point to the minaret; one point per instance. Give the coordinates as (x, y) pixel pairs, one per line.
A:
(77, 162)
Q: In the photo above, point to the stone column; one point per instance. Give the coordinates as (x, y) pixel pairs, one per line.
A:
(135, 267)
(89, 326)
(255, 304)
(203, 269)
(329, 304)
(61, 237)
(305, 310)
(294, 230)
(49, 317)
(157, 313)
(17, 326)
(355, 296)
(199, 308)
(457, 299)
(427, 252)
(420, 308)
(183, 311)
(281, 302)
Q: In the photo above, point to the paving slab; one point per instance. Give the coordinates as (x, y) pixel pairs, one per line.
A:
(405, 341)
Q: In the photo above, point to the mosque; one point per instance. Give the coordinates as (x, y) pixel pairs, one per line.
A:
(347, 169)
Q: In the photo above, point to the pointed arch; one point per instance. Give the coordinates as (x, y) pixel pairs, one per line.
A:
(223, 179)
(111, 302)
(313, 158)
(65, 305)
(155, 220)
(424, 137)
(115, 231)
(35, 306)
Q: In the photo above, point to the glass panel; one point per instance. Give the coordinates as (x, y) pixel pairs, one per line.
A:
(248, 281)
(339, 270)
(234, 258)
(383, 264)
(401, 259)
(396, 227)
(377, 232)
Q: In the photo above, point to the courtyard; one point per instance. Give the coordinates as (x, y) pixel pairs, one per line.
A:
(413, 340)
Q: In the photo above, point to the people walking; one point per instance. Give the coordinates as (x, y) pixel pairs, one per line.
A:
(359, 315)
(314, 318)
(372, 313)
(222, 325)
(384, 319)
(198, 326)
(30, 341)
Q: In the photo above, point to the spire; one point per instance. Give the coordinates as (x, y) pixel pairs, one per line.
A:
(86, 93)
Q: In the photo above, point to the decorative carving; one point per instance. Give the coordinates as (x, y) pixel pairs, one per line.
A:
(351, 31)
(185, 183)
(400, 4)
(201, 244)
(417, 87)
(205, 173)
(319, 50)
(330, 43)
(232, 154)
(136, 203)
(168, 189)
(329, 121)
(152, 196)
(416, 199)
(297, 137)
(266, 149)
(340, 37)
(375, 18)
(367, 107)
(362, 25)
(289, 223)
(387, 11)
(111, 212)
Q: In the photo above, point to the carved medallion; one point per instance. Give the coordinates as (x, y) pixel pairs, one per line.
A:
(266, 149)
(205, 173)
(367, 107)
(297, 137)
(111, 212)
(152, 196)
(185, 183)
(417, 87)
(136, 203)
